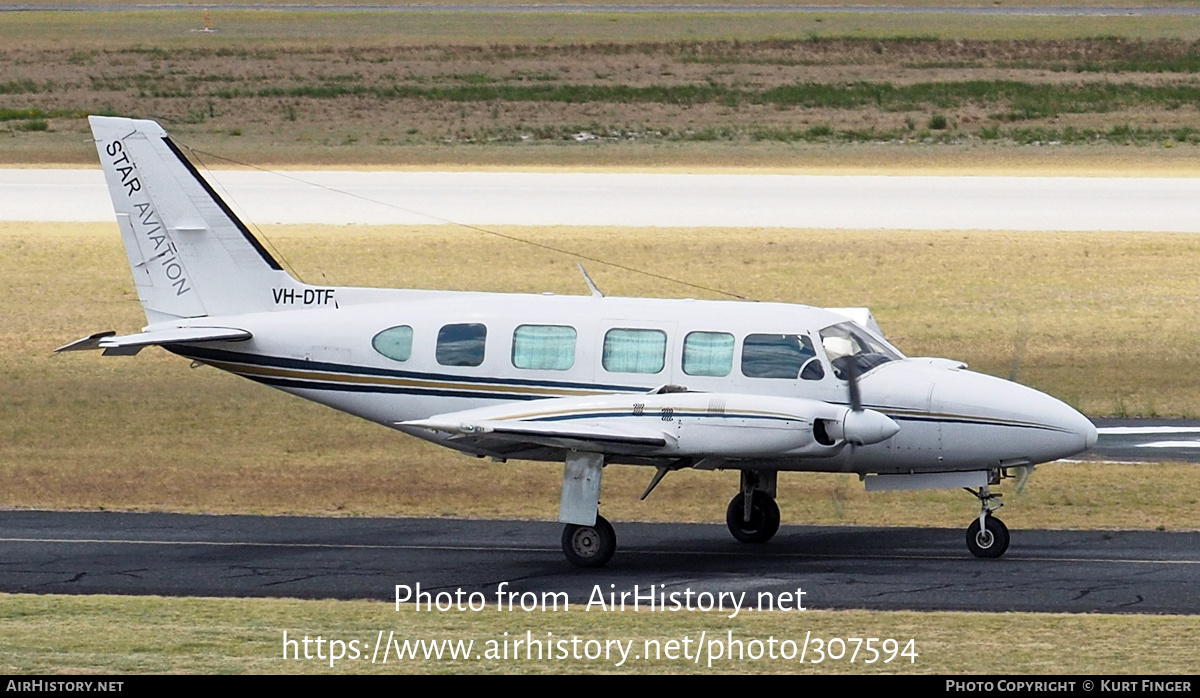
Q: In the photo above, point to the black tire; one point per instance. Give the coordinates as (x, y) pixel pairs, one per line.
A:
(764, 518)
(988, 542)
(589, 546)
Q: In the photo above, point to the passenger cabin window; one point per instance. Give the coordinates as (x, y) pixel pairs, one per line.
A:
(544, 347)
(780, 356)
(634, 351)
(708, 354)
(461, 345)
(395, 343)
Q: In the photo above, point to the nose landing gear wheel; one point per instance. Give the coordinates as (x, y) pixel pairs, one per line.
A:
(764, 518)
(589, 546)
(989, 540)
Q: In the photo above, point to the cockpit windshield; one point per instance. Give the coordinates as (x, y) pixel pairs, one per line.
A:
(847, 342)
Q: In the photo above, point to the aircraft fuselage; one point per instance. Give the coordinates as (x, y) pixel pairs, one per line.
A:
(951, 419)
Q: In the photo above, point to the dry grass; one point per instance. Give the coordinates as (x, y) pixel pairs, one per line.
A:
(144, 635)
(85, 431)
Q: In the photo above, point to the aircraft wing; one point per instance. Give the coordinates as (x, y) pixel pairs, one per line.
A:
(491, 433)
(663, 424)
(130, 344)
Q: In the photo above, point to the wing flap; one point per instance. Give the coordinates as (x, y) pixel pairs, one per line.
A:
(583, 437)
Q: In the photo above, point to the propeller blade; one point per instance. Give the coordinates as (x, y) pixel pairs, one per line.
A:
(852, 385)
(1023, 474)
(1018, 351)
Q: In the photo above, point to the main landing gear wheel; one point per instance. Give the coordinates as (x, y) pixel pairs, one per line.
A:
(589, 546)
(989, 540)
(764, 518)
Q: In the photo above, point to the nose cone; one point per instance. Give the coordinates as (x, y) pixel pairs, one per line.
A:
(1022, 423)
(970, 420)
(1081, 431)
(1089, 434)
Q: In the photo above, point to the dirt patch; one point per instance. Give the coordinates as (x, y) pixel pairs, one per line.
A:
(320, 103)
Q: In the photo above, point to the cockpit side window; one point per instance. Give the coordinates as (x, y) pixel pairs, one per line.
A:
(846, 342)
(778, 356)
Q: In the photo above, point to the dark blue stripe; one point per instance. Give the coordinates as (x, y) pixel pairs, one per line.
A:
(946, 420)
(204, 353)
(387, 389)
(526, 397)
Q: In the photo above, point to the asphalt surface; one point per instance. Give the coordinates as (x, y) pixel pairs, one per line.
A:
(1147, 440)
(836, 567)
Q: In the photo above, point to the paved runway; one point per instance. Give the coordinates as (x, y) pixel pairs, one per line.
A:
(514, 198)
(836, 567)
(1147, 440)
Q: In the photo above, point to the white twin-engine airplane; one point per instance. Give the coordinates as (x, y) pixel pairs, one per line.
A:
(585, 380)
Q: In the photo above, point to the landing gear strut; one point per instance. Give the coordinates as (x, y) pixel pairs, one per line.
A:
(588, 540)
(753, 515)
(589, 546)
(987, 536)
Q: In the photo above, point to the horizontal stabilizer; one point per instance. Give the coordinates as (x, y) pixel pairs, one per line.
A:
(88, 342)
(130, 344)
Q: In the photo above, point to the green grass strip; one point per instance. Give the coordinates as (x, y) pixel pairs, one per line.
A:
(1021, 100)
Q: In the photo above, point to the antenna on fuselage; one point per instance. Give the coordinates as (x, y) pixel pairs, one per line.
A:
(596, 292)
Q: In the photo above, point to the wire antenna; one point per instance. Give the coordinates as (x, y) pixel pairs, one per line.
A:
(478, 229)
(229, 197)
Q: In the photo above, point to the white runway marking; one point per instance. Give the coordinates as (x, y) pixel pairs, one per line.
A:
(514, 198)
(1117, 431)
(630, 551)
(1171, 444)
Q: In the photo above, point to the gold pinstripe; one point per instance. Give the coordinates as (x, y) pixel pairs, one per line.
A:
(273, 372)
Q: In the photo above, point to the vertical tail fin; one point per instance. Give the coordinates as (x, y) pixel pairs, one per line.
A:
(190, 255)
